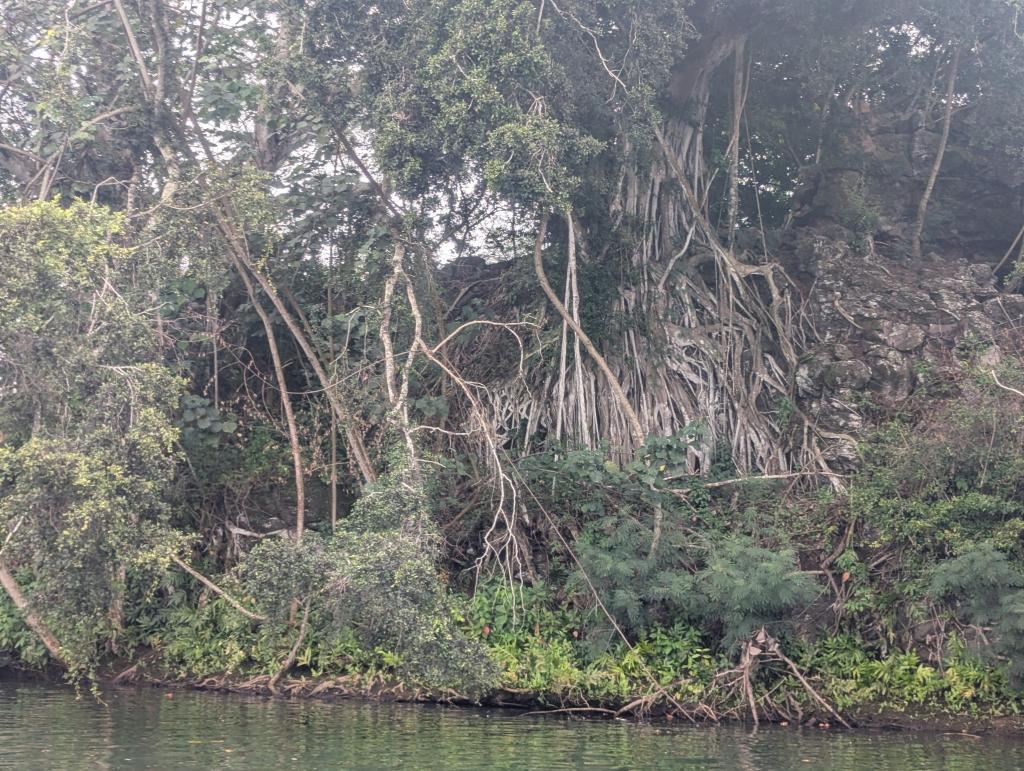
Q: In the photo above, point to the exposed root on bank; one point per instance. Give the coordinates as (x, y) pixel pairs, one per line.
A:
(763, 648)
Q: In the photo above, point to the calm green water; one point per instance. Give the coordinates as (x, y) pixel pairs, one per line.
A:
(46, 727)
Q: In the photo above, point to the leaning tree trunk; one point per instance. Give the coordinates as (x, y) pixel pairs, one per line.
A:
(286, 400)
(33, 621)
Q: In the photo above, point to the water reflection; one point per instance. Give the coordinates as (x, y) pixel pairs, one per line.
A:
(46, 727)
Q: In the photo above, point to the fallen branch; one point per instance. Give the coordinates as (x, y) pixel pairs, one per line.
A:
(772, 646)
(599, 710)
(764, 477)
(253, 682)
(642, 703)
(128, 674)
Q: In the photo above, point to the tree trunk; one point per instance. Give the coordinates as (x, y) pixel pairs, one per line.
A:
(33, 621)
(286, 402)
(922, 206)
(227, 220)
(334, 417)
(355, 442)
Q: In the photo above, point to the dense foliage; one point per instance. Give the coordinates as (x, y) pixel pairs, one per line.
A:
(494, 345)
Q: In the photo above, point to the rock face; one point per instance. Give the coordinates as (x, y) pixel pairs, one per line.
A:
(886, 324)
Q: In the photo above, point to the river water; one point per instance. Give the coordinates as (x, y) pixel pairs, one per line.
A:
(46, 727)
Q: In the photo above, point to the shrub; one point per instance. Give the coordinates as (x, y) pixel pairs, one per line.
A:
(985, 589)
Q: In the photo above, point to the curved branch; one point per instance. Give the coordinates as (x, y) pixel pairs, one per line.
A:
(289, 661)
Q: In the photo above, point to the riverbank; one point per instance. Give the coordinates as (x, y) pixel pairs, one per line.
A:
(44, 726)
(334, 689)
(655, 710)
(539, 663)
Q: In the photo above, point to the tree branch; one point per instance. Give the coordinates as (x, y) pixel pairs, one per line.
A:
(213, 587)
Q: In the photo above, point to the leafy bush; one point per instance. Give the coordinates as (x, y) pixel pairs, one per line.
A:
(87, 451)
(211, 639)
(853, 677)
(987, 590)
(376, 579)
(747, 586)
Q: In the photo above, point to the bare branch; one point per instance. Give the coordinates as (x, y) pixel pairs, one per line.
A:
(216, 589)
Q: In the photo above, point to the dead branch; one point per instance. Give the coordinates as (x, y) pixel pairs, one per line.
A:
(772, 646)
(999, 383)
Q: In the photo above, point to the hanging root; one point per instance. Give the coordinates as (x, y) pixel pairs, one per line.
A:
(709, 334)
